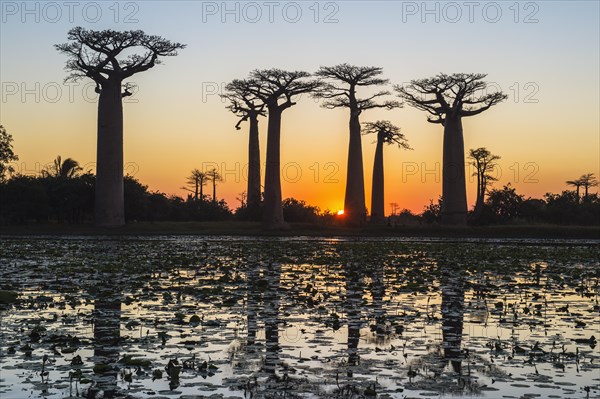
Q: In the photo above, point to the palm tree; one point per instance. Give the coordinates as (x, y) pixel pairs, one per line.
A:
(94, 54)
(66, 169)
(344, 95)
(447, 99)
(387, 133)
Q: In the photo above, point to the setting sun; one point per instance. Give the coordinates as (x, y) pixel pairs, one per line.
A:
(340, 212)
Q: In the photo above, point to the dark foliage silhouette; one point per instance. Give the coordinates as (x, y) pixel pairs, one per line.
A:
(7, 154)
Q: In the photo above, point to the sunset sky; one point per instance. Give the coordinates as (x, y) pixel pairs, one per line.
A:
(544, 55)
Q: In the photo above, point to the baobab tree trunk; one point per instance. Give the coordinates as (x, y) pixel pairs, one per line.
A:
(454, 191)
(273, 211)
(253, 165)
(377, 204)
(479, 202)
(109, 207)
(354, 201)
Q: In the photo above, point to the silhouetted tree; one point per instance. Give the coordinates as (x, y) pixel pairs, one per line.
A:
(449, 98)
(196, 181)
(243, 198)
(6, 154)
(66, 169)
(299, 211)
(588, 180)
(433, 212)
(214, 177)
(484, 162)
(276, 89)
(108, 58)
(340, 91)
(505, 203)
(245, 105)
(387, 133)
(577, 184)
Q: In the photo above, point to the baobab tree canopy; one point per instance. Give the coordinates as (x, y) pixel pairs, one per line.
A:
(338, 95)
(444, 96)
(242, 102)
(387, 132)
(95, 54)
(108, 58)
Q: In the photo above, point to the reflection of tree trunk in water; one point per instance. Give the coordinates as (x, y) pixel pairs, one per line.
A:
(107, 333)
(453, 308)
(271, 317)
(378, 291)
(353, 314)
(252, 303)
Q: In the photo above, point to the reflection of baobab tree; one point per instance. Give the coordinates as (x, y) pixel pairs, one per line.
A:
(445, 368)
(270, 314)
(107, 334)
(377, 293)
(252, 298)
(354, 288)
(453, 309)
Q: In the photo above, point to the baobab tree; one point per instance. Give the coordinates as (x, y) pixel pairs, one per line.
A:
(447, 99)
(214, 176)
(339, 90)
(248, 108)
(109, 58)
(387, 133)
(484, 162)
(588, 180)
(577, 184)
(196, 181)
(276, 89)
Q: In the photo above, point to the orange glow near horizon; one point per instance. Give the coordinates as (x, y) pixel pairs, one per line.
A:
(340, 212)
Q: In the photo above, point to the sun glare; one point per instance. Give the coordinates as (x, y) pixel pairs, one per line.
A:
(340, 212)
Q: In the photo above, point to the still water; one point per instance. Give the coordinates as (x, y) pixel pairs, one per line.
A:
(195, 317)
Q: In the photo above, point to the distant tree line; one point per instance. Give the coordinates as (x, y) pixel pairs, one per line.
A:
(64, 193)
